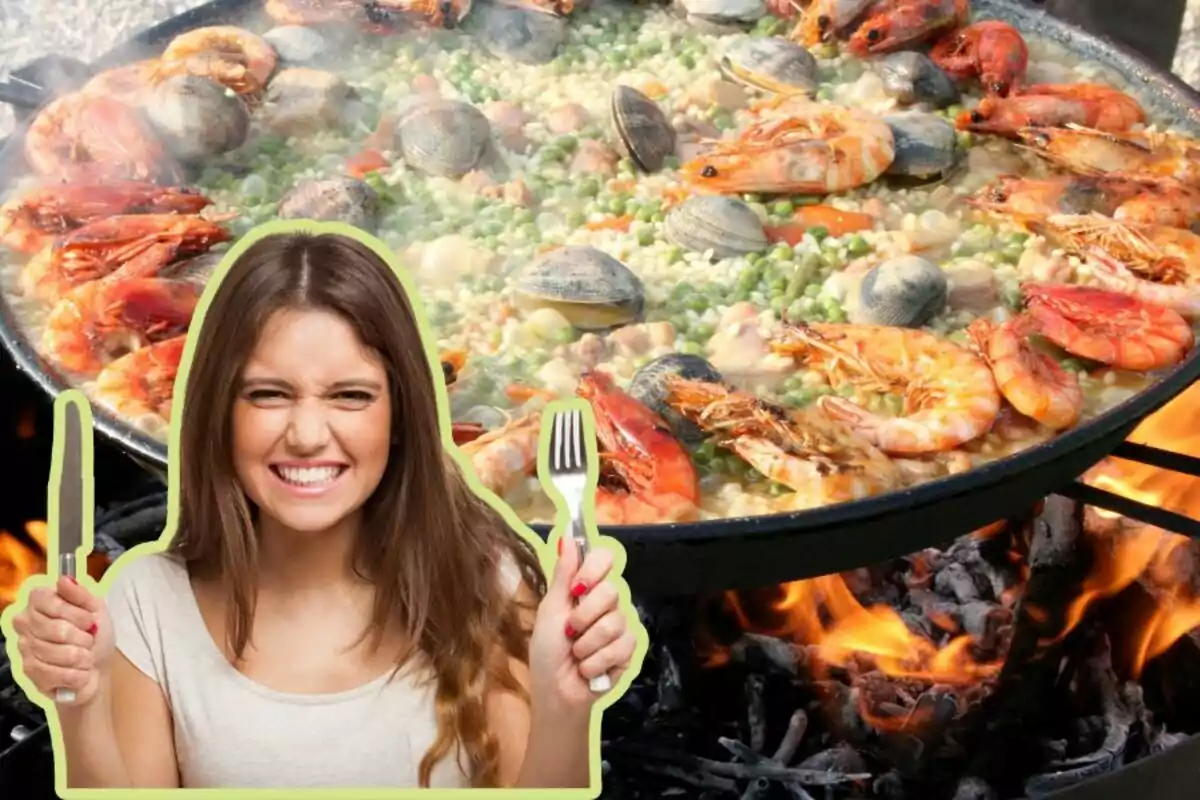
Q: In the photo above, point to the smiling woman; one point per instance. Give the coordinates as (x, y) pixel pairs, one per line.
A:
(331, 569)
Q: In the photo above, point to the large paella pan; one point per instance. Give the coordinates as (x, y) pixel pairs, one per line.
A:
(810, 263)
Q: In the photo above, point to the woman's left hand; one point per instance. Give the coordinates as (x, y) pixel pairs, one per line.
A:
(580, 632)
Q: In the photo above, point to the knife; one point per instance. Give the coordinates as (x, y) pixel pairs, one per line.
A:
(69, 525)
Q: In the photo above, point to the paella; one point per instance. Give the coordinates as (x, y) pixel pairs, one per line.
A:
(793, 254)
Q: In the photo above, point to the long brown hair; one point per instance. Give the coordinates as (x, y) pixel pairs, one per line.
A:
(428, 543)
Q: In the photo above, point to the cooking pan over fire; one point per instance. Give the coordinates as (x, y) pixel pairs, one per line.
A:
(839, 284)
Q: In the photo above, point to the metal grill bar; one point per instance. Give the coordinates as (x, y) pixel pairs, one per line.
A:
(1158, 517)
(1157, 457)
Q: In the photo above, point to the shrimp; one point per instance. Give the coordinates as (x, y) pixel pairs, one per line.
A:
(824, 20)
(142, 382)
(446, 14)
(1109, 327)
(647, 476)
(820, 459)
(1169, 254)
(1182, 297)
(1141, 155)
(991, 50)
(1121, 198)
(1093, 105)
(817, 148)
(133, 245)
(452, 364)
(897, 25)
(949, 393)
(127, 83)
(33, 218)
(1032, 382)
(502, 457)
(100, 319)
(92, 136)
(234, 57)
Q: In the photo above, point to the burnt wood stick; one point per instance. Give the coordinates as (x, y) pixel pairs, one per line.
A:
(1024, 695)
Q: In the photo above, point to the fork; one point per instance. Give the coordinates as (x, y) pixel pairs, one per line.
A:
(569, 474)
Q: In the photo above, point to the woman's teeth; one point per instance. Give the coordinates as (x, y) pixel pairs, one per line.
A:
(309, 476)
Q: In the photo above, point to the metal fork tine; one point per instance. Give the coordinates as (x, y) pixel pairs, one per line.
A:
(577, 440)
(556, 442)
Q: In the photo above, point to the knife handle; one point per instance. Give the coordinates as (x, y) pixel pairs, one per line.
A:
(66, 568)
(601, 683)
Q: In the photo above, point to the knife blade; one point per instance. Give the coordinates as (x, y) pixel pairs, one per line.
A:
(69, 526)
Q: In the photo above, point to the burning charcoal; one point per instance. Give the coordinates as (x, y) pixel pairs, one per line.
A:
(840, 758)
(918, 623)
(670, 691)
(1055, 750)
(957, 582)
(890, 785)
(1161, 741)
(757, 790)
(839, 702)
(753, 649)
(974, 789)
(982, 621)
(756, 715)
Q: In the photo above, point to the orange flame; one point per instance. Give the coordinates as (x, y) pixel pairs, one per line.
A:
(18, 560)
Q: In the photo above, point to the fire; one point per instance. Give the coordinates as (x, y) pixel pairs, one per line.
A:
(19, 560)
(1143, 552)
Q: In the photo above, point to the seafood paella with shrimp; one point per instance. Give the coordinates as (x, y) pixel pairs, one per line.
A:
(793, 254)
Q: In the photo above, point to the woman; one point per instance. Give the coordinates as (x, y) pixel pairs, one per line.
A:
(336, 608)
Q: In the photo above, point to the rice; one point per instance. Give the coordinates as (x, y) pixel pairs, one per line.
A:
(465, 249)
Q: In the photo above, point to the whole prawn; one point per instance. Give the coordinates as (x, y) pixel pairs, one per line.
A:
(1110, 327)
(817, 148)
(900, 24)
(1141, 155)
(97, 320)
(820, 459)
(130, 245)
(1181, 295)
(142, 382)
(1032, 382)
(1092, 105)
(950, 395)
(991, 50)
(825, 20)
(504, 456)
(33, 218)
(1165, 202)
(647, 475)
(96, 137)
(234, 57)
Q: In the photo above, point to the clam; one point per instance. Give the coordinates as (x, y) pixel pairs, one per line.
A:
(925, 145)
(905, 292)
(771, 63)
(912, 77)
(593, 290)
(643, 128)
(302, 100)
(522, 34)
(297, 45)
(197, 118)
(725, 12)
(725, 225)
(443, 137)
(649, 388)
(333, 200)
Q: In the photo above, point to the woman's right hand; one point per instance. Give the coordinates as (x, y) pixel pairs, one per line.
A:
(65, 639)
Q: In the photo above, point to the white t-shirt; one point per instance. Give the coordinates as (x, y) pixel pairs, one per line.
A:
(232, 732)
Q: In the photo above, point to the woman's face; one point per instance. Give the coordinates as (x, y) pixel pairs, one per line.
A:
(311, 421)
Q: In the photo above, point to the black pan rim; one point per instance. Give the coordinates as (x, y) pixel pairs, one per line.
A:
(151, 453)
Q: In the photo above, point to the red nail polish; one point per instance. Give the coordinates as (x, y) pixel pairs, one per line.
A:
(579, 590)
(93, 628)
(71, 578)
(560, 547)
(570, 632)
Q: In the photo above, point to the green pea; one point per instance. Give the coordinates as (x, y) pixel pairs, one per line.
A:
(645, 236)
(691, 348)
(782, 252)
(833, 309)
(552, 154)
(674, 254)
(819, 232)
(566, 143)
(682, 290)
(783, 208)
(588, 187)
(617, 205)
(576, 219)
(797, 311)
(833, 260)
(778, 303)
(701, 332)
(687, 60)
(812, 290)
(749, 278)
(697, 303)
(858, 246)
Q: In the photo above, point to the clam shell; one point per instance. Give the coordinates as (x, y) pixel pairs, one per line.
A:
(524, 35)
(905, 292)
(926, 145)
(725, 225)
(643, 128)
(726, 11)
(345, 200)
(197, 118)
(772, 63)
(593, 290)
(443, 137)
(297, 45)
(911, 77)
(649, 388)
